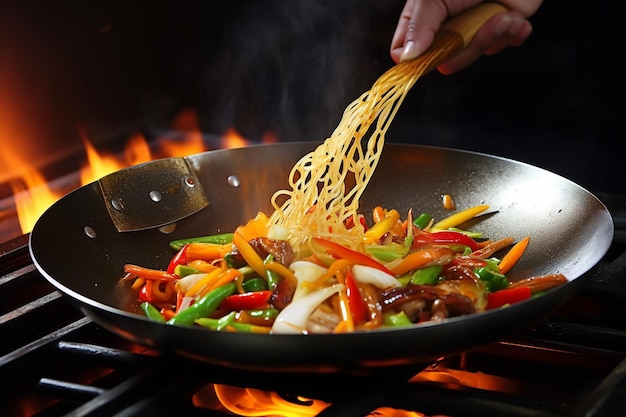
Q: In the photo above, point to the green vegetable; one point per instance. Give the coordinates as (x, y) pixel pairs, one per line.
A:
(254, 284)
(428, 275)
(204, 306)
(396, 319)
(272, 277)
(264, 313)
(184, 270)
(152, 312)
(391, 251)
(422, 220)
(494, 281)
(220, 239)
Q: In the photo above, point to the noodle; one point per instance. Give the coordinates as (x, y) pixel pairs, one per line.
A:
(320, 200)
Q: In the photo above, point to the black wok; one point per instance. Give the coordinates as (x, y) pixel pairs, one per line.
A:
(77, 247)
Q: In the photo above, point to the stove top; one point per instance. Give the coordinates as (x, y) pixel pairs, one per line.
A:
(59, 362)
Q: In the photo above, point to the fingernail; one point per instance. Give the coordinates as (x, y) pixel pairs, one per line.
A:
(502, 25)
(409, 51)
(512, 25)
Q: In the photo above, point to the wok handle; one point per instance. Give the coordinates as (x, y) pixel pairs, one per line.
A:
(456, 33)
(468, 23)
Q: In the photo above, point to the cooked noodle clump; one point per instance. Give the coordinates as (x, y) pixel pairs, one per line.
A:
(327, 183)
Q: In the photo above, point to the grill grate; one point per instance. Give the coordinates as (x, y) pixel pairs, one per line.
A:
(57, 362)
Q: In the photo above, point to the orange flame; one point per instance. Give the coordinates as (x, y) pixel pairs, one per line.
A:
(32, 195)
(253, 402)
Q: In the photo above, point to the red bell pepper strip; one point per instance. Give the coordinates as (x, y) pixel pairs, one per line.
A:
(355, 300)
(508, 296)
(445, 237)
(338, 251)
(252, 300)
(179, 259)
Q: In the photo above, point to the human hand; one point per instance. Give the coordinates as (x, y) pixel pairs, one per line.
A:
(421, 19)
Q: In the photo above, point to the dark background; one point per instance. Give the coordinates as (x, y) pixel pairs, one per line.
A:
(291, 68)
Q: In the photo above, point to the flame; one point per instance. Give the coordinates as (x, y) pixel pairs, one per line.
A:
(98, 165)
(253, 402)
(32, 195)
(232, 139)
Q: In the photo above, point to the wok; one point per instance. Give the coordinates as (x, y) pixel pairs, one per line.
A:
(78, 247)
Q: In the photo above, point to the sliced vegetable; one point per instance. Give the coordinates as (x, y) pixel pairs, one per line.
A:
(341, 252)
(358, 309)
(513, 255)
(293, 318)
(204, 306)
(445, 237)
(423, 220)
(396, 319)
(458, 218)
(219, 239)
(249, 254)
(152, 312)
(179, 259)
(508, 296)
(376, 277)
(422, 257)
(494, 281)
(428, 275)
(247, 300)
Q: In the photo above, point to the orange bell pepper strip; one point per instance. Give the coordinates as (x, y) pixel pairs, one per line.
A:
(422, 257)
(513, 255)
(249, 254)
(338, 251)
(207, 251)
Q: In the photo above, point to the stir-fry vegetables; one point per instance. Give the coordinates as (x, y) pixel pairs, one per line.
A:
(408, 271)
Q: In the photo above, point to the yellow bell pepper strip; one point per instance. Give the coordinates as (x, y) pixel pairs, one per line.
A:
(199, 285)
(152, 312)
(341, 252)
(249, 254)
(513, 255)
(507, 297)
(422, 257)
(458, 218)
(383, 226)
(220, 239)
(203, 307)
(227, 276)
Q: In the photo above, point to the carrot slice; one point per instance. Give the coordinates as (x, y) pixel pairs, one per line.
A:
(513, 255)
